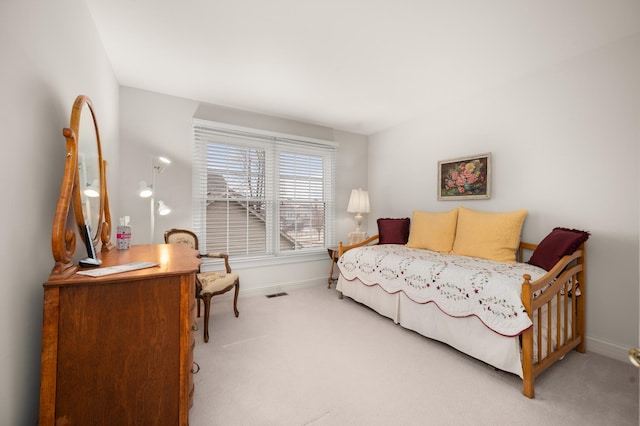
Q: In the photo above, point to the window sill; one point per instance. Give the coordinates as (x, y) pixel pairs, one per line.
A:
(262, 261)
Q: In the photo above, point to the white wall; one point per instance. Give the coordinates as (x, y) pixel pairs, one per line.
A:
(156, 124)
(579, 119)
(50, 54)
(564, 143)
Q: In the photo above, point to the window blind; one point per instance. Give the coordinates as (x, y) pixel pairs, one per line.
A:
(259, 194)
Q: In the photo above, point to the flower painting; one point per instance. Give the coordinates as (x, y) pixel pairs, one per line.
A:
(465, 178)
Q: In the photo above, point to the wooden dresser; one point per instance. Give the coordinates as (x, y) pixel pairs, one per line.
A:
(118, 349)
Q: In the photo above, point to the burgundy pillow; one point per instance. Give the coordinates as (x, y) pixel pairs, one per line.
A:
(393, 231)
(560, 242)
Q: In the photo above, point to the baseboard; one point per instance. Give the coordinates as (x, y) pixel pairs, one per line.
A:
(276, 288)
(607, 349)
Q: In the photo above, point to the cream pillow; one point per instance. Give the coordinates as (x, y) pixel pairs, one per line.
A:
(433, 231)
(493, 236)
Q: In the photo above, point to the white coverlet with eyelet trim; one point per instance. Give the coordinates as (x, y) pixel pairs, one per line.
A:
(459, 286)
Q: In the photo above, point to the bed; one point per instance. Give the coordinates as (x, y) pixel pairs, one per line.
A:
(516, 316)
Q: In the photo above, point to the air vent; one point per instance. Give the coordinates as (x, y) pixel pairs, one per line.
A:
(277, 294)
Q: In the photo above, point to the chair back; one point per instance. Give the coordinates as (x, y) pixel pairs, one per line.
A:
(181, 236)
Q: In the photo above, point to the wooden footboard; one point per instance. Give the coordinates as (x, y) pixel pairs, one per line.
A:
(556, 305)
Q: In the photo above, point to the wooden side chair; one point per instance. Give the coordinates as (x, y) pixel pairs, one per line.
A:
(208, 284)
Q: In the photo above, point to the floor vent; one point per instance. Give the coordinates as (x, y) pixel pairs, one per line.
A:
(277, 294)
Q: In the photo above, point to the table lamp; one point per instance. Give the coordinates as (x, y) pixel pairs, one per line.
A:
(358, 204)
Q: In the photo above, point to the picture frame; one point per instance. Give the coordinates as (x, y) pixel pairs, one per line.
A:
(465, 178)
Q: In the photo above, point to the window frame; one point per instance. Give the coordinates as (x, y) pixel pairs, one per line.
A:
(202, 128)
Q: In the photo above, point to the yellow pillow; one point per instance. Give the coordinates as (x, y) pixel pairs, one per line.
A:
(493, 236)
(433, 231)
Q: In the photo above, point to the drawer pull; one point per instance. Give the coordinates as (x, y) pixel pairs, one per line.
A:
(195, 369)
(195, 326)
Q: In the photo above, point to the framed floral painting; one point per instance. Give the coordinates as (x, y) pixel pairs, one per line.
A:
(466, 178)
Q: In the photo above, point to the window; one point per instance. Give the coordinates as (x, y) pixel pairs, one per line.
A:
(259, 194)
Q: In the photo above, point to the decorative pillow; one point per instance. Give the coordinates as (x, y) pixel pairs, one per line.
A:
(559, 243)
(393, 231)
(493, 236)
(433, 231)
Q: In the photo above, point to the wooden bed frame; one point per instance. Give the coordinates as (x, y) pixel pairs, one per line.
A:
(546, 299)
(563, 279)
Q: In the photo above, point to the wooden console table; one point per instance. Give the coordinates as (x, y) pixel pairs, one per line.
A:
(118, 349)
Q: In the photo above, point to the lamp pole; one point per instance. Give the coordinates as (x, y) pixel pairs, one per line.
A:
(156, 169)
(152, 215)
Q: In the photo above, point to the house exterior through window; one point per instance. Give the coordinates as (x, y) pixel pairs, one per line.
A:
(261, 194)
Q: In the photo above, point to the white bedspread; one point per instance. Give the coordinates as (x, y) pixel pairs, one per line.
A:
(460, 286)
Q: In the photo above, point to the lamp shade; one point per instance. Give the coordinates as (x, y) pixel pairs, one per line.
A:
(359, 201)
(164, 160)
(160, 163)
(93, 189)
(145, 190)
(163, 209)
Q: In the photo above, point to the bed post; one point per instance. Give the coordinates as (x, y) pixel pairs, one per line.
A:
(581, 302)
(340, 251)
(527, 342)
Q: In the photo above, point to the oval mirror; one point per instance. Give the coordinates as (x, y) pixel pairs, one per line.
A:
(89, 189)
(84, 186)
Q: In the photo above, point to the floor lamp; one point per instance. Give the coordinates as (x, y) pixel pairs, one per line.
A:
(158, 164)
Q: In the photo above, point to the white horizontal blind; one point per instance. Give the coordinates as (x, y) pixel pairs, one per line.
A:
(301, 199)
(261, 195)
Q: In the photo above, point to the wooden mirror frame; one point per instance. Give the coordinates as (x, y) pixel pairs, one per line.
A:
(63, 238)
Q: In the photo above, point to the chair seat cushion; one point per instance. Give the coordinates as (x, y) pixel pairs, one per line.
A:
(216, 281)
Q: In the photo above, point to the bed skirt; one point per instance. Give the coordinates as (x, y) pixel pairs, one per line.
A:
(467, 334)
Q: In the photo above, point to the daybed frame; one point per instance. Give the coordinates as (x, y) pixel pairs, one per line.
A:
(548, 340)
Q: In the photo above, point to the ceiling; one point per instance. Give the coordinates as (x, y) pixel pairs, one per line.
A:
(354, 65)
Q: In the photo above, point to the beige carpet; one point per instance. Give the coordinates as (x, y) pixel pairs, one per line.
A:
(308, 358)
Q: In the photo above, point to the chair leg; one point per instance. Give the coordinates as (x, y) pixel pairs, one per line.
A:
(207, 308)
(235, 299)
(198, 293)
